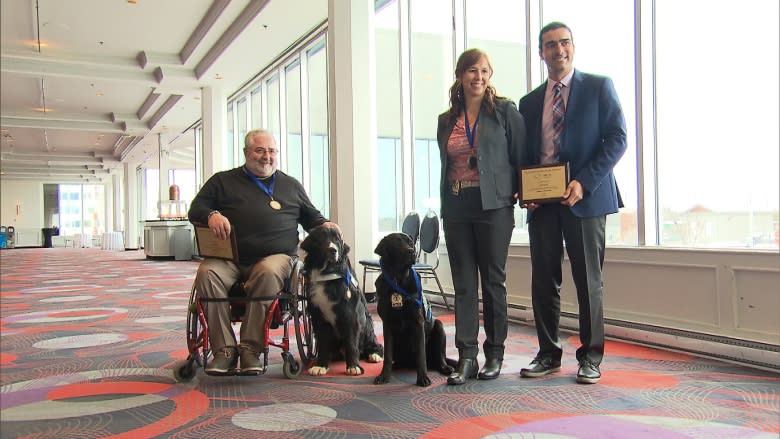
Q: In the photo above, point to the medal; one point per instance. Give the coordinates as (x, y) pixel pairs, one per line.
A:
(275, 205)
(472, 162)
(396, 301)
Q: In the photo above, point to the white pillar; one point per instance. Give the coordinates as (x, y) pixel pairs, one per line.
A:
(163, 158)
(131, 198)
(352, 111)
(118, 189)
(214, 116)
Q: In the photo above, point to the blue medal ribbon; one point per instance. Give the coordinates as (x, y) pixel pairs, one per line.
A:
(269, 190)
(418, 297)
(469, 133)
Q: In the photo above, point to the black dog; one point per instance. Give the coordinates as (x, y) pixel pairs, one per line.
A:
(338, 310)
(413, 338)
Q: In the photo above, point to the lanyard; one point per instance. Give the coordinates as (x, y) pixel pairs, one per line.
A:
(269, 190)
(470, 134)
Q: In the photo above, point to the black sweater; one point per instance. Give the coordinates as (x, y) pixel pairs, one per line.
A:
(260, 230)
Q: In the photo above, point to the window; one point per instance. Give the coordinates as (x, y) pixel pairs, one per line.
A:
(389, 152)
(272, 108)
(432, 69)
(257, 108)
(388, 176)
(241, 119)
(717, 136)
(290, 100)
(229, 152)
(294, 147)
(319, 190)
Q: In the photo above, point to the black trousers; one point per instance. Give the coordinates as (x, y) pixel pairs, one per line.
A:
(479, 247)
(550, 226)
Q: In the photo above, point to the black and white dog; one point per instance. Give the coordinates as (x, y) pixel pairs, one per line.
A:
(340, 317)
(413, 338)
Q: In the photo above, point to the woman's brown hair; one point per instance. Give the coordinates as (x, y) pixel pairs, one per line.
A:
(466, 60)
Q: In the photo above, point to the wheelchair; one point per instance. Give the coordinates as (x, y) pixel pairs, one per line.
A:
(288, 308)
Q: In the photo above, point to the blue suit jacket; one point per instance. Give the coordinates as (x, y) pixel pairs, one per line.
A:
(593, 139)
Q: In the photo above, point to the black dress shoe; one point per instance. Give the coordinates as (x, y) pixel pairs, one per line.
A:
(491, 370)
(370, 297)
(467, 369)
(541, 366)
(588, 373)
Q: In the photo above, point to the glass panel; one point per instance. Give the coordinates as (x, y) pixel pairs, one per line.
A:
(257, 121)
(718, 162)
(432, 75)
(82, 209)
(227, 153)
(94, 208)
(70, 209)
(591, 37)
(427, 165)
(294, 147)
(388, 111)
(241, 117)
(319, 190)
(272, 108)
(389, 176)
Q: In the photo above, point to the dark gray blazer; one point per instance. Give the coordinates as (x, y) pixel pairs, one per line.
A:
(502, 147)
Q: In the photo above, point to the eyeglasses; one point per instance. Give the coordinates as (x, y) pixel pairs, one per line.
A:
(262, 151)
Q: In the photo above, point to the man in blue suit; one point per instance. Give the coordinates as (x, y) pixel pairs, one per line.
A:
(573, 117)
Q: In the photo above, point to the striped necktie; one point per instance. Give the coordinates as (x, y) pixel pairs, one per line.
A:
(558, 111)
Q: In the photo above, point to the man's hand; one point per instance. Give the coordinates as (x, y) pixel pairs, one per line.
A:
(219, 226)
(529, 206)
(573, 193)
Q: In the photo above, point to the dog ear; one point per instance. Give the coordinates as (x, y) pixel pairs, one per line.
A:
(308, 242)
(381, 247)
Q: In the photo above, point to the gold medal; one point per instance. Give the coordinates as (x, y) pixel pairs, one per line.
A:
(396, 301)
(275, 205)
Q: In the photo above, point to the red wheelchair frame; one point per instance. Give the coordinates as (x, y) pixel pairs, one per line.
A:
(286, 309)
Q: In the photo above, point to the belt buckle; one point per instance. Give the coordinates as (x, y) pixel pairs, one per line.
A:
(456, 187)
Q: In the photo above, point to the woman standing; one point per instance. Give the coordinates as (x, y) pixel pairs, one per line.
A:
(482, 144)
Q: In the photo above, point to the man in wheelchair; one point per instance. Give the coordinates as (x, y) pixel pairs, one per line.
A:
(263, 206)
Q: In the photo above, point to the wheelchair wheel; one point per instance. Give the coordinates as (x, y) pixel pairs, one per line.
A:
(184, 370)
(291, 367)
(304, 332)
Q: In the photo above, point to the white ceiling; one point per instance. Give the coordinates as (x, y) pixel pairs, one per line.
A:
(88, 84)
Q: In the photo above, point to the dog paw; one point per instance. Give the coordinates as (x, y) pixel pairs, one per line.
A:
(423, 380)
(382, 379)
(355, 370)
(374, 358)
(317, 370)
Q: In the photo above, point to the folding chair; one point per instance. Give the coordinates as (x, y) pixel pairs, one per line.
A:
(429, 246)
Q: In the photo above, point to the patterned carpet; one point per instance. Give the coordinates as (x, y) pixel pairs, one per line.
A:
(89, 339)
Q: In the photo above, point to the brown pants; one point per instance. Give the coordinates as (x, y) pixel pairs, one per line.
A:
(263, 279)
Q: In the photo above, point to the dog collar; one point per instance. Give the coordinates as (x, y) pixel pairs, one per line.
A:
(333, 276)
